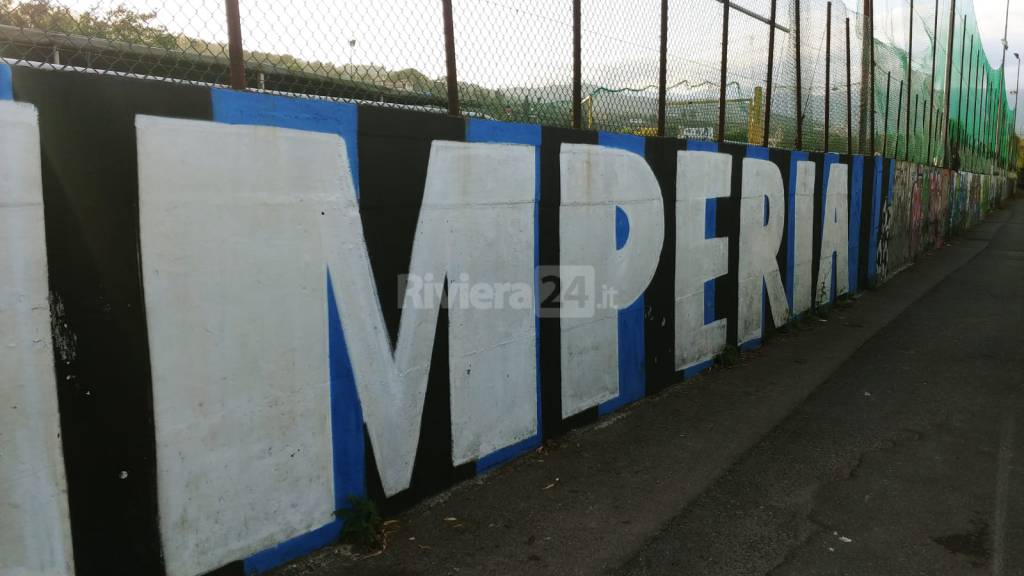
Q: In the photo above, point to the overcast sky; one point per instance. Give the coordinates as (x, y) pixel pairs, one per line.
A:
(516, 42)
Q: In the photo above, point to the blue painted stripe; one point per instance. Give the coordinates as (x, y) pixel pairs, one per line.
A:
(233, 107)
(632, 364)
(696, 369)
(759, 152)
(830, 159)
(346, 411)
(6, 86)
(348, 442)
(702, 146)
(794, 157)
(292, 549)
(621, 228)
(853, 234)
(753, 343)
(479, 130)
(876, 199)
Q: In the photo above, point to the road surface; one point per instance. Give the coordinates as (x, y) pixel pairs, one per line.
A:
(887, 440)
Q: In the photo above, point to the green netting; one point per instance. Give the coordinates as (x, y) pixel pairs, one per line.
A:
(913, 83)
(962, 118)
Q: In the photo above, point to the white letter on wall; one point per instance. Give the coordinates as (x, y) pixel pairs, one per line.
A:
(803, 253)
(594, 181)
(834, 237)
(35, 534)
(240, 225)
(699, 176)
(477, 220)
(236, 306)
(759, 244)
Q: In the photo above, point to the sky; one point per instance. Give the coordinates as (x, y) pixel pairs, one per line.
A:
(502, 43)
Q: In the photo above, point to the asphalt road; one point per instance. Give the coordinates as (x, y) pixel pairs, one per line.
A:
(887, 440)
(909, 459)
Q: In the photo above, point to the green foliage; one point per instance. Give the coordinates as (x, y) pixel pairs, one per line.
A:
(119, 23)
(729, 357)
(363, 523)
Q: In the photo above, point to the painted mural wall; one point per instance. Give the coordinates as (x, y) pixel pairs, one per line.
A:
(226, 313)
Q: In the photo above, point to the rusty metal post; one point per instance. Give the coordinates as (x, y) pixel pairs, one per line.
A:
(725, 67)
(828, 71)
(885, 123)
(870, 33)
(910, 68)
(899, 122)
(985, 103)
(799, 84)
(976, 124)
(931, 89)
(449, 56)
(577, 72)
(768, 80)
(849, 95)
(663, 68)
(960, 90)
(236, 57)
(949, 80)
(911, 135)
(967, 109)
(916, 111)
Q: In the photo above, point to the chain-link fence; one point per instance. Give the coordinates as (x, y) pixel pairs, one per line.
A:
(903, 78)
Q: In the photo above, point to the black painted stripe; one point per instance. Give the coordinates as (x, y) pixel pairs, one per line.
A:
(659, 300)
(90, 194)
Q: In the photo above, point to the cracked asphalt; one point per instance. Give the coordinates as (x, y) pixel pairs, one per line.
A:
(888, 440)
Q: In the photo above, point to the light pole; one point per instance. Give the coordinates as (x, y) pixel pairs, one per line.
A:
(1002, 72)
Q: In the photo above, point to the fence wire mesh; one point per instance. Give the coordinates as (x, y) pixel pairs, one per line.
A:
(913, 81)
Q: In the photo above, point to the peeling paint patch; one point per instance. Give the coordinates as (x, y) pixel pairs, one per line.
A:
(65, 342)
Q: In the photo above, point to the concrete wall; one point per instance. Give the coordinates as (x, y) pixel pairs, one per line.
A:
(260, 306)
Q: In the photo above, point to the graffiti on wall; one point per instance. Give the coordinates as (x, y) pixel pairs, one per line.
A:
(318, 300)
(926, 206)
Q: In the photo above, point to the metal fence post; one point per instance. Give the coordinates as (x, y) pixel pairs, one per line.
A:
(966, 134)
(577, 72)
(849, 95)
(799, 84)
(931, 89)
(449, 56)
(768, 81)
(725, 67)
(885, 123)
(910, 67)
(976, 123)
(899, 122)
(960, 90)
(911, 135)
(865, 108)
(949, 78)
(663, 68)
(235, 55)
(871, 65)
(828, 71)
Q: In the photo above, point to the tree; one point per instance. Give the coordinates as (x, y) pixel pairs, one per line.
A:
(119, 23)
